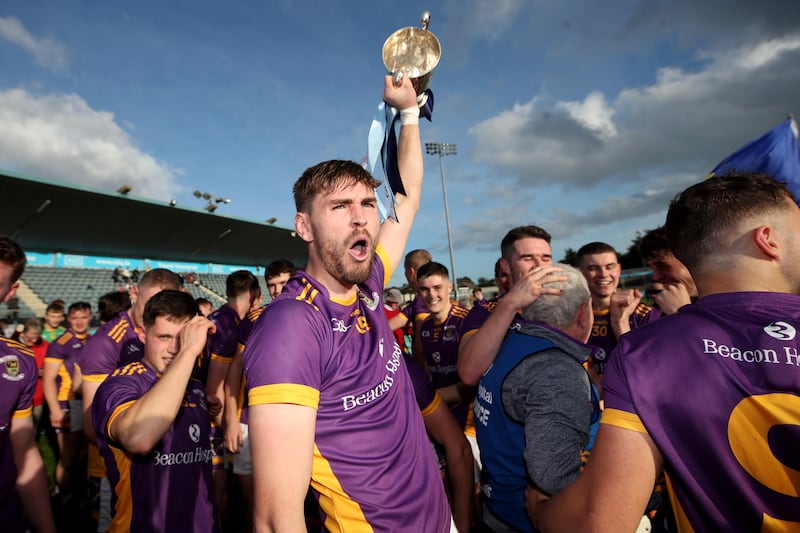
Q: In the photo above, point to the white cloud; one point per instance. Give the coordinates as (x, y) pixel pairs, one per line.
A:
(684, 122)
(61, 137)
(473, 21)
(47, 52)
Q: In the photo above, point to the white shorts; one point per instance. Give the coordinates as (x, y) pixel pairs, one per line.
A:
(242, 461)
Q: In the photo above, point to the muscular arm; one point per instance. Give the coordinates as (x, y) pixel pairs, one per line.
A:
(282, 447)
(394, 233)
(612, 492)
(478, 350)
(445, 430)
(215, 387)
(50, 389)
(89, 389)
(233, 383)
(31, 481)
(142, 425)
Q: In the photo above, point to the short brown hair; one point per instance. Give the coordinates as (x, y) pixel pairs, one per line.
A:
(521, 232)
(12, 255)
(326, 177)
(700, 219)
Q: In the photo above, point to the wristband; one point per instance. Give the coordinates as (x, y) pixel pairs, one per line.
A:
(409, 116)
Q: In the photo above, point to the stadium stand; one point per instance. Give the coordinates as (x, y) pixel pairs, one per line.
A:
(41, 285)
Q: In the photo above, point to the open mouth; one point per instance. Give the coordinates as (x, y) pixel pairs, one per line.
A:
(360, 249)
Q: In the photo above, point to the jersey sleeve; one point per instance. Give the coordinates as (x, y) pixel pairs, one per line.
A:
(28, 370)
(619, 409)
(286, 354)
(474, 320)
(113, 397)
(223, 343)
(55, 353)
(427, 398)
(99, 358)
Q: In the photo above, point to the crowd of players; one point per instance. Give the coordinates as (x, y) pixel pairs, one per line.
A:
(562, 404)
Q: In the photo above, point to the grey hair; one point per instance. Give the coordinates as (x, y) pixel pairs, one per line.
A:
(556, 310)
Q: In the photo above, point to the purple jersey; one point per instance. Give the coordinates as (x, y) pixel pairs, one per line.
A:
(440, 342)
(245, 328)
(428, 400)
(168, 489)
(114, 341)
(416, 311)
(373, 465)
(66, 350)
(222, 343)
(18, 376)
(478, 315)
(717, 388)
(603, 336)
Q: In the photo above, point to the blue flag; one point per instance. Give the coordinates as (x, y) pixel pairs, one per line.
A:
(776, 153)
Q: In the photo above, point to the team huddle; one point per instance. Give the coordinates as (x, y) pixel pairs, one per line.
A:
(564, 403)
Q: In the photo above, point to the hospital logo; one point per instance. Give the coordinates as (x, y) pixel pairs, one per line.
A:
(781, 331)
(194, 433)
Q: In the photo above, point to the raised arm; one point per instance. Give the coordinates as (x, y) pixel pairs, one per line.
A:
(477, 350)
(141, 426)
(394, 233)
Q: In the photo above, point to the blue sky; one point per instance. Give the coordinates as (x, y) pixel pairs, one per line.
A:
(582, 117)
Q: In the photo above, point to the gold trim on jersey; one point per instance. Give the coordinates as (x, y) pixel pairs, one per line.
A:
(94, 378)
(130, 369)
(23, 413)
(118, 411)
(284, 393)
(220, 359)
(342, 513)
(123, 510)
(623, 419)
(431, 407)
(308, 294)
(117, 333)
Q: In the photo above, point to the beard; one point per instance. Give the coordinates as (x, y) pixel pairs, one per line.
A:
(340, 264)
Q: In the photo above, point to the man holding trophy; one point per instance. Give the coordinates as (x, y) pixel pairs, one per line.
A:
(331, 402)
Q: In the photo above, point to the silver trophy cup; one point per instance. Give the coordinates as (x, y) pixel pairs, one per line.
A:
(413, 52)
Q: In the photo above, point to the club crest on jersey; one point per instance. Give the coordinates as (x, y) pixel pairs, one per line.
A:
(194, 433)
(449, 332)
(780, 330)
(10, 367)
(372, 303)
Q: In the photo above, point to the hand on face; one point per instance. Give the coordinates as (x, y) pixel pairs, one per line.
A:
(672, 297)
(528, 289)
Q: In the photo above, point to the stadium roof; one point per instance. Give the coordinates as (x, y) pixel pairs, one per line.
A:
(50, 218)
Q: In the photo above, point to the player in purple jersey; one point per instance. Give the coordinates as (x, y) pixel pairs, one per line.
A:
(59, 382)
(412, 314)
(23, 484)
(616, 311)
(440, 336)
(526, 252)
(152, 424)
(444, 430)
(712, 393)
(116, 341)
(237, 438)
(678, 287)
(330, 399)
(244, 294)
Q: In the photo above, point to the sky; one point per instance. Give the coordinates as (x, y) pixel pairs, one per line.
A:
(582, 117)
